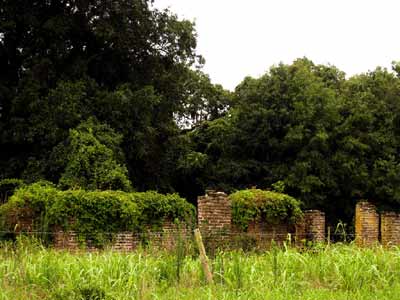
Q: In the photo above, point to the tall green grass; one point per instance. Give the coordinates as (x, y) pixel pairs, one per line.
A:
(29, 271)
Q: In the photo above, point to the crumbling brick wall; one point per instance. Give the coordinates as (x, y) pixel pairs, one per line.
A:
(168, 235)
(390, 229)
(65, 240)
(214, 221)
(264, 233)
(315, 225)
(22, 220)
(277, 232)
(367, 224)
(311, 227)
(164, 237)
(215, 224)
(123, 241)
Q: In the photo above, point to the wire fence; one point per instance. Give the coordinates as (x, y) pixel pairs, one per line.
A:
(173, 239)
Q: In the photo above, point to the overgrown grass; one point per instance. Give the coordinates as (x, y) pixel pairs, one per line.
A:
(29, 271)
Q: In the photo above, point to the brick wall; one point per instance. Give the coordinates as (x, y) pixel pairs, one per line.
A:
(367, 224)
(390, 229)
(165, 237)
(300, 233)
(315, 225)
(22, 220)
(311, 227)
(215, 224)
(123, 241)
(264, 233)
(168, 236)
(277, 232)
(65, 240)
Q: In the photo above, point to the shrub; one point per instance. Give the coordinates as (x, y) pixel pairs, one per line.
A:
(254, 204)
(94, 159)
(91, 213)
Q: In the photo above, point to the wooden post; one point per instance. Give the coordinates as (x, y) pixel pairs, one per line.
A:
(203, 256)
(329, 235)
(289, 239)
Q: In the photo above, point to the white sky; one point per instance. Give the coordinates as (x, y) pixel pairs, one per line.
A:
(246, 37)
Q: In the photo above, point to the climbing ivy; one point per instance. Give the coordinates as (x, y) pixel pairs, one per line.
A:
(96, 214)
(273, 207)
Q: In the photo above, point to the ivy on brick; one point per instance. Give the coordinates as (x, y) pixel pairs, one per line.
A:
(93, 213)
(255, 204)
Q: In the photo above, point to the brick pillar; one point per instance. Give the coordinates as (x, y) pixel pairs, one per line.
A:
(367, 224)
(390, 229)
(214, 213)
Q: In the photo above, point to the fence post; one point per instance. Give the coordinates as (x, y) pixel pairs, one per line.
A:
(329, 235)
(203, 256)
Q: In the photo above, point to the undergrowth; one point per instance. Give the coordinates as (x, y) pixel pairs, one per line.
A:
(29, 271)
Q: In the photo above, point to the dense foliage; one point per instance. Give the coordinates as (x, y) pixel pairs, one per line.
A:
(272, 207)
(330, 140)
(94, 214)
(91, 157)
(124, 62)
(103, 94)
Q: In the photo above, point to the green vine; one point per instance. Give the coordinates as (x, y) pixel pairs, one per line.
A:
(254, 204)
(96, 214)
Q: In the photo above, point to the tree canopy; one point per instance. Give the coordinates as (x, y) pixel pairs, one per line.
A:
(99, 94)
(123, 62)
(331, 140)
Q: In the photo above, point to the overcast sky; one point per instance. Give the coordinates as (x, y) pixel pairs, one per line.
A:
(246, 37)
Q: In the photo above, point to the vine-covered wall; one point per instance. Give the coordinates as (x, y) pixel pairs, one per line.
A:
(122, 220)
(257, 217)
(95, 217)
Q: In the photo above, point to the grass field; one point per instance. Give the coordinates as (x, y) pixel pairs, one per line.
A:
(28, 271)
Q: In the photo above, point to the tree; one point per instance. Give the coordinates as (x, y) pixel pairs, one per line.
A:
(93, 159)
(331, 141)
(280, 128)
(123, 62)
(368, 138)
(204, 100)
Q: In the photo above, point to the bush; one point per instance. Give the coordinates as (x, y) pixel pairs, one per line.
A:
(94, 159)
(254, 204)
(92, 213)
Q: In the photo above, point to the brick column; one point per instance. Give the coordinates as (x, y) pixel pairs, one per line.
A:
(390, 229)
(214, 213)
(367, 224)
